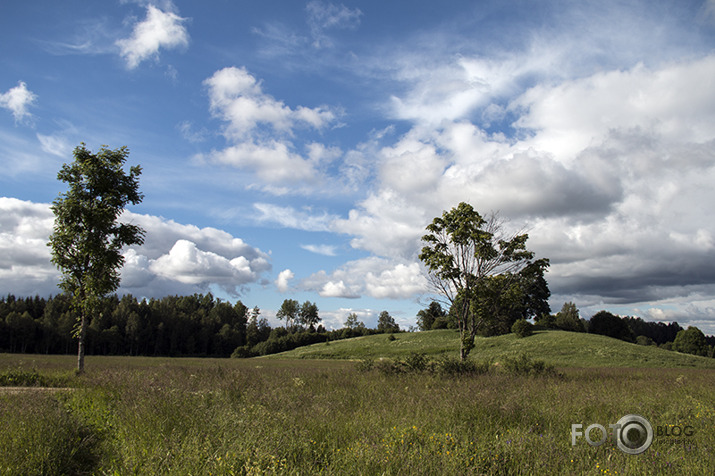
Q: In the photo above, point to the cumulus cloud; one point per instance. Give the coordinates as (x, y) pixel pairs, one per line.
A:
(25, 267)
(175, 258)
(160, 29)
(18, 100)
(375, 277)
(283, 281)
(260, 129)
(609, 173)
(237, 97)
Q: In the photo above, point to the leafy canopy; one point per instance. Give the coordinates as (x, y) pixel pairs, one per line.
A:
(87, 239)
(489, 278)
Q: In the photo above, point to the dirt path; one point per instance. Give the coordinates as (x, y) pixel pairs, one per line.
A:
(19, 390)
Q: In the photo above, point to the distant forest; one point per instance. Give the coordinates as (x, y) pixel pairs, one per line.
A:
(202, 325)
(197, 325)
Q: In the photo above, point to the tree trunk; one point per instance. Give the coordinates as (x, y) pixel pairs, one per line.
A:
(80, 346)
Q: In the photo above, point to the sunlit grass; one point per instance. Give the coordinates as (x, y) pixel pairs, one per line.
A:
(260, 416)
(560, 348)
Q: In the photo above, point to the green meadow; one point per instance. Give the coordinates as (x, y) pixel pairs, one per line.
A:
(316, 411)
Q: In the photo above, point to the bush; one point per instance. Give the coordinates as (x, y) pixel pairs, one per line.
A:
(416, 362)
(644, 340)
(30, 378)
(450, 366)
(522, 328)
(523, 365)
(242, 352)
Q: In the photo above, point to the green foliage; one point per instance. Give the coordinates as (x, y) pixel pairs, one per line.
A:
(644, 340)
(569, 319)
(419, 363)
(386, 323)
(523, 365)
(42, 436)
(289, 311)
(87, 238)
(434, 317)
(607, 324)
(308, 315)
(691, 341)
(522, 328)
(352, 322)
(559, 348)
(490, 279)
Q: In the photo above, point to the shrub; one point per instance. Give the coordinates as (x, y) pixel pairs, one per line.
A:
(416, 362)
(450, 366)
(523, 365)
(644, 340)
(522, 328)
(242, 352)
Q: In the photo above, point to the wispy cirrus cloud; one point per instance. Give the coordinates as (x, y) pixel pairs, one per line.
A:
(325, 250)
(324, 16)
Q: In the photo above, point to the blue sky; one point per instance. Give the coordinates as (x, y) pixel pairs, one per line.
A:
(298, 149)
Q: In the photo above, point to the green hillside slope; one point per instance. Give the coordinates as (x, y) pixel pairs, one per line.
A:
(559, 348)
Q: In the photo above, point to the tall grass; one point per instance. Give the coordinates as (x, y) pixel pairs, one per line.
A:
(262, 416)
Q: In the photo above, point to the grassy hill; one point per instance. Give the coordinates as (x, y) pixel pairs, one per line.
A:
(559, 348)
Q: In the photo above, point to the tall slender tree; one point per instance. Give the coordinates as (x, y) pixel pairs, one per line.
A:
(88, 238)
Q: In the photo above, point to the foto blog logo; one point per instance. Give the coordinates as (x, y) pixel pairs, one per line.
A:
(633, 434)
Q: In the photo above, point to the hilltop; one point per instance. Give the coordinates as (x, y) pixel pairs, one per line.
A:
(559, 348)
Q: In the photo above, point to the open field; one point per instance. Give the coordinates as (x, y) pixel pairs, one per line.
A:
(131, 415)
(559, 348)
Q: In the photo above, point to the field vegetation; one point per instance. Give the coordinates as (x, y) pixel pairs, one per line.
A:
(560, 348)
(143, 415)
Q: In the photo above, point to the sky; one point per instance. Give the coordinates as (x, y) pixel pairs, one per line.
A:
(298, 150)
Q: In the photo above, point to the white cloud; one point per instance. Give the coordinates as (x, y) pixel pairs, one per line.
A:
(283, 281)
(17, 100)
(375, 277)
(160, 29)
(186, 263)
(237, 98)
(609, 173)
(325, 250)
(669, 102)
(271, 161)
(25, 267)
(260, 129)
(289, 217)
(174, 259)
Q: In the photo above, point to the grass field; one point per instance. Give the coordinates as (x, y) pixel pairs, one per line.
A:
(138, 415)
(560, 348)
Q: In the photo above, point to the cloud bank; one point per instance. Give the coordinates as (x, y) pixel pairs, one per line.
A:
(175, 258)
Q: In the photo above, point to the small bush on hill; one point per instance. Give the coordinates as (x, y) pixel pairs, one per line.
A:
(522, 328)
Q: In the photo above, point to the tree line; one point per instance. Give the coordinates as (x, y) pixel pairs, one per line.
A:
(670, 336)
(196, 325)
